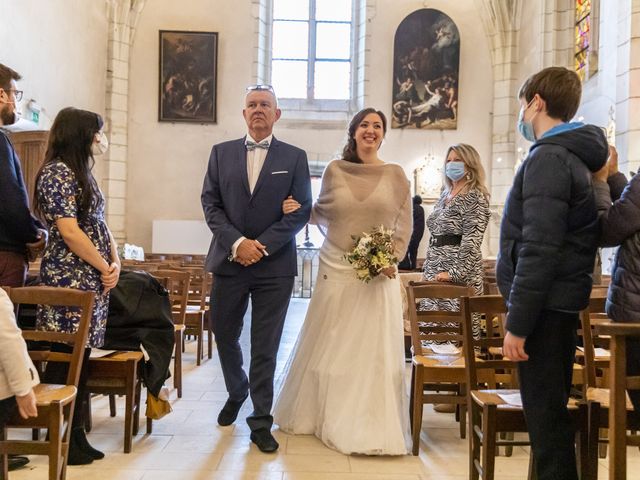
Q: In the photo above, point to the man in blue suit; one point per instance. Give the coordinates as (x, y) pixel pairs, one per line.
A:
(253, 253)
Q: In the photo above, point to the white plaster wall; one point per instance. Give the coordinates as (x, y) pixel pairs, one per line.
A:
(167, 161)
(60, 49)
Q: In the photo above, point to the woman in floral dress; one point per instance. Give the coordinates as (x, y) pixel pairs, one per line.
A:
(81, 252)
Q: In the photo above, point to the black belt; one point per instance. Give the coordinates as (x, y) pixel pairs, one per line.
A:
(442, 240)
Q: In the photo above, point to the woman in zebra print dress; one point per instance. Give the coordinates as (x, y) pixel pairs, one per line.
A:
(457, 226)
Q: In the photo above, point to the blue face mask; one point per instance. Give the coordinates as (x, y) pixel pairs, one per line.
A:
(526, 128)
(454, 171)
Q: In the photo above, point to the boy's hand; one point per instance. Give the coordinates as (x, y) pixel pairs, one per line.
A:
(613, 160)
(602, 174)
(513, 348)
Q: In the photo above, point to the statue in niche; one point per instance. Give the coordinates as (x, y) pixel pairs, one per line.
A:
(426, 65)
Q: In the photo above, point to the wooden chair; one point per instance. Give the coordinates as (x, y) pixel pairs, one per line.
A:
(433, 373)
(177, 284)
(489, 413)
(196, 317)
(55, 402)
(618, 406)
(600, 390)
(117, 374)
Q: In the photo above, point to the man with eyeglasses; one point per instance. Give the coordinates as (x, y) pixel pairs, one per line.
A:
(21, 235)
(253, 253)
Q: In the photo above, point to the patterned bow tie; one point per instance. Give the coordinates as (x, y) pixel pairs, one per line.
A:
(251, 146)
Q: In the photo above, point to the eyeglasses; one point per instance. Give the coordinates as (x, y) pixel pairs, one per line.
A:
(17, 94)
(261, 87)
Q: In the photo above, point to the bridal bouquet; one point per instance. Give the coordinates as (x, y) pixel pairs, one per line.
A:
(371, 253)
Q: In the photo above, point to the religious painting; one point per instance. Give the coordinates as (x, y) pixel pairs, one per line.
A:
(426, 65)
(188, 76)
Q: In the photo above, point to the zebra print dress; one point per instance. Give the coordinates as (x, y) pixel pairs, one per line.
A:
(467, 214)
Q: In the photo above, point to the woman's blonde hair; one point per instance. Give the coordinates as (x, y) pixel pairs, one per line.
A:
(475, 176)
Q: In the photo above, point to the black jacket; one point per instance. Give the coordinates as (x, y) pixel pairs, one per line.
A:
(140, 314)
(17, 226)
(549, 229)
(620, 225)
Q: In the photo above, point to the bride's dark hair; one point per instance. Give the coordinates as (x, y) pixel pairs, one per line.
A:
(349, 153)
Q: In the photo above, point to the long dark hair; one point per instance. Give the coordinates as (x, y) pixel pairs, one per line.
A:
(70, 139)
(350, 153)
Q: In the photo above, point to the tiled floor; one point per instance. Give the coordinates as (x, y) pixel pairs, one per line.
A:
(189, 445)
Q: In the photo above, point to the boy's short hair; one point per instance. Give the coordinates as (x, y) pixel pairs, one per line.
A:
(559, 87)
(6, 75)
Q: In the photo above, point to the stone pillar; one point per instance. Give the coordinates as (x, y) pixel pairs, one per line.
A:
(628, 86)
(559, 24)
(261, 40)
(123, 18)
(500, 18)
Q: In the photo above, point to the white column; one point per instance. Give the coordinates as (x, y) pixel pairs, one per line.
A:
(628, 86)
(500, 18)
(123, 17)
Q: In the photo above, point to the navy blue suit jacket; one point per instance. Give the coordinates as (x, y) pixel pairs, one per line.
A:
(232, 211)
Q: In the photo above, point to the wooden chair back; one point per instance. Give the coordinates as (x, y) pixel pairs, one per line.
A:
(619, 420)
(58, 297)
(178, 284)
(483, 373)
(590, 339)
(55, 403)
(434, 325)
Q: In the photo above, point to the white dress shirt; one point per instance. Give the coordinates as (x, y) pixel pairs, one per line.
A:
(255, 162)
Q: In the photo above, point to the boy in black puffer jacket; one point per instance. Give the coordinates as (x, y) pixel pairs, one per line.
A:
(548, 240)
(620, 225)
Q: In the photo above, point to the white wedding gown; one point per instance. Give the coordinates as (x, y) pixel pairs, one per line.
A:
(345, 380)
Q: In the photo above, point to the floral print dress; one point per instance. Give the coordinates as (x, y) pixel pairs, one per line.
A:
(57, 191)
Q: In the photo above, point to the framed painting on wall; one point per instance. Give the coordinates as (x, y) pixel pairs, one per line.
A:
(188, 67)
(426, 61)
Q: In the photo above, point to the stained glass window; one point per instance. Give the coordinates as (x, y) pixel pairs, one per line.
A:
(586, 38)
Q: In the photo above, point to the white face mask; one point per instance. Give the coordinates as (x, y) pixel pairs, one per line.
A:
(101, 147)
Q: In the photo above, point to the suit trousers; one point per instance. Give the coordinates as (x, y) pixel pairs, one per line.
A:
(545, 383)
(13, 269)
(269, 303)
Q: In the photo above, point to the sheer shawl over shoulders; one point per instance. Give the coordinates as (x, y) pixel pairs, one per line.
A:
(355, 198)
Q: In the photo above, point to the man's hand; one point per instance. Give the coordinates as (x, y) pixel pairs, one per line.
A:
(27, 405)
(602, 174)
(250, 252)
(34, 249)
(613, 160)
(513, 348)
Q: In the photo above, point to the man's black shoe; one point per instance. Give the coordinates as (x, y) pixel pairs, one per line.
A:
(264, 440)
(16, 462)
(229, 412)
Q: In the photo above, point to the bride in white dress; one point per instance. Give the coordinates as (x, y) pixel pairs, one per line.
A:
(345, 381)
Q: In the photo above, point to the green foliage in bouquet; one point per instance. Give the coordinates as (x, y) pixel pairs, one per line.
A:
(371, 253)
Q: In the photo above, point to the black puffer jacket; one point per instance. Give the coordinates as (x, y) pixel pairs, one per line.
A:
(620, 225)
(549, 229)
